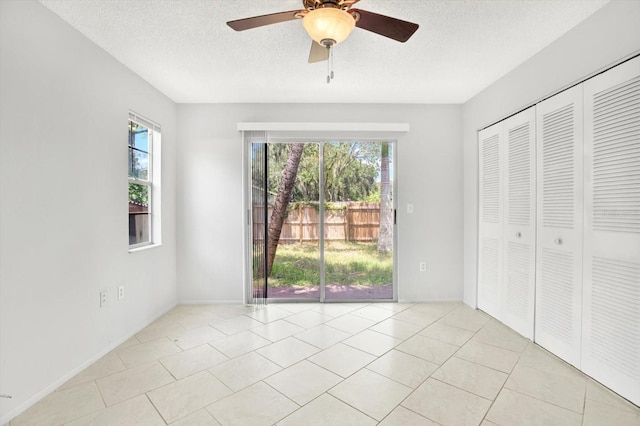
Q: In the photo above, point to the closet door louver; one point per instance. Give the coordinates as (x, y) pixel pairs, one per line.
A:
(611, 309)
(518, 283)
(560, 219)
(490, 221)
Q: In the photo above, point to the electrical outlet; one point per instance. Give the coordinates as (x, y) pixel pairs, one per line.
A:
(409, 208)
(423, 266)
(121, 292)
(103, 298)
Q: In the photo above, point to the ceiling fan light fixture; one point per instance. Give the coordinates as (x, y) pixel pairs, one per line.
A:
(328, 25)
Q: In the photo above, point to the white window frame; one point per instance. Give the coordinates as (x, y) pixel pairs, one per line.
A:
(152, 181)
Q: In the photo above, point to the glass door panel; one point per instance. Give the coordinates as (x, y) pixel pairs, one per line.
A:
(294, 220)
(358, 246)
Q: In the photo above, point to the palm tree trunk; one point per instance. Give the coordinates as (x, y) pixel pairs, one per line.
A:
(385, 236)
(281, 204)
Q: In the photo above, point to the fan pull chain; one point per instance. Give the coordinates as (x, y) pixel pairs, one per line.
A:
(330, 65)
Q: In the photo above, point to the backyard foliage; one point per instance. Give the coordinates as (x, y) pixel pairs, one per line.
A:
(346, 263)
(350, 173)
(139, 194)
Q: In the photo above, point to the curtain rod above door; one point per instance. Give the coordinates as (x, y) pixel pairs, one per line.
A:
(319, 127)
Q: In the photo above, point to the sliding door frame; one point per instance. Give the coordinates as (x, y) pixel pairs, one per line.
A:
(322, 133)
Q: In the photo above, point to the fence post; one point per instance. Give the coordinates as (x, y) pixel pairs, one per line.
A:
(346, 223)
(300, 222)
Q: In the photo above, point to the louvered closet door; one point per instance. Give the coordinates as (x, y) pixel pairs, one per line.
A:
(519, 232)
(559, 203)
(490, 222)
(611, 337)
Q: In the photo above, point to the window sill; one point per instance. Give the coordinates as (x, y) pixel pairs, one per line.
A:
(143, 248)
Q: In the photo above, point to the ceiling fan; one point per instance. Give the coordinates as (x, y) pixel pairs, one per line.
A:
(330, 22)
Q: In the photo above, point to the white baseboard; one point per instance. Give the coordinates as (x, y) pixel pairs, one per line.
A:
(430, 300)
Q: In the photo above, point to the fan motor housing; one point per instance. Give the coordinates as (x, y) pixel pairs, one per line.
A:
(338, 4)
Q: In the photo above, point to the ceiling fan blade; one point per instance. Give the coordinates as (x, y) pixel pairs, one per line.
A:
(318, 53)
(259, 21)
(387, 26)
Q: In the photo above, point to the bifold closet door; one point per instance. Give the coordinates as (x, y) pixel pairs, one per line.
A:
(519, 231)
(490, 221)
(611, 310)
(559, 134)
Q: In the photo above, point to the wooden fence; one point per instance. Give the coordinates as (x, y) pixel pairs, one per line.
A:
(349, 221)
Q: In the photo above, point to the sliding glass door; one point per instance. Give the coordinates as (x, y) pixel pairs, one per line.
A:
(323, 227)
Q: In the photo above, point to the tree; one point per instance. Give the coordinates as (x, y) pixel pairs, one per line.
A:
(350, 171)
(281, 204)
(139, 194)
(385, 236)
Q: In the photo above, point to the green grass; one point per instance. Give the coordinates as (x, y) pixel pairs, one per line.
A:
(345, 263)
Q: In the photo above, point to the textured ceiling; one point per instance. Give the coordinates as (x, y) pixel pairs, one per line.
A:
(185, 49)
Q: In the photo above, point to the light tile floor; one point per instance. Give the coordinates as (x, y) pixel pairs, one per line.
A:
(313, 364)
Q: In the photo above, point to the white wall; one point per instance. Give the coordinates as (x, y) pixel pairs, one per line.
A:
(63, 204)
(603, 39)
(210, 215)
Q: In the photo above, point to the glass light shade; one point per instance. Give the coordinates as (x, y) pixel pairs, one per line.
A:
(328, 23)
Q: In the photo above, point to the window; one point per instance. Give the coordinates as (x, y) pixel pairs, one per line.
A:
(144, 138)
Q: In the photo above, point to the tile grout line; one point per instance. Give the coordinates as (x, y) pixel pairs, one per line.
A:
(155, 408)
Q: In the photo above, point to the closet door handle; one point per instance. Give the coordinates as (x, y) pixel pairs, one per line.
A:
(558, 241)
(518, 234)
